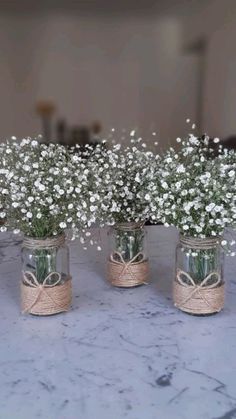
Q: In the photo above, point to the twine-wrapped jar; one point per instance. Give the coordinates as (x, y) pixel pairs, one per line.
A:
(46, 281)
(199, 286)
(128, 263)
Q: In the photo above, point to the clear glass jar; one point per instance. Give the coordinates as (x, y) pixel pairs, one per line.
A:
(128, 262)
(199, 284)
(46, 277)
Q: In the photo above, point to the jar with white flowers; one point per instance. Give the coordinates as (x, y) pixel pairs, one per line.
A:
(46, 282)
(126, 176)
(197, 193)
(41, 184)
(128, 262)
(199, 282)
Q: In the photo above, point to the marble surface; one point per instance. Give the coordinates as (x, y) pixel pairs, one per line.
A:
(118, 354)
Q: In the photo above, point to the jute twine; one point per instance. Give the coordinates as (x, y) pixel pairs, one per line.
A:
(199, 244)
(45, 298)
(203, 298)
(32, 243)
(128, 274)
(129, 226)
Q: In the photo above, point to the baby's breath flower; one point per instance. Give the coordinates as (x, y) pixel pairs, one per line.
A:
(37, 188)
(198, 189)
(123, 177)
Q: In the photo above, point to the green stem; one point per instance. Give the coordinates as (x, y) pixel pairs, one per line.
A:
(202, 264)
(129, 243)
(45, 263)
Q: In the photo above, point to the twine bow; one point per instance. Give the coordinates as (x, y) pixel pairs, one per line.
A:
(126, 265)
(197, 288)
(33, 282)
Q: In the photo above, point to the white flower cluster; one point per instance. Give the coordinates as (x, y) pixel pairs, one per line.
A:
(44, 189)
(196, 188)
(123, 175)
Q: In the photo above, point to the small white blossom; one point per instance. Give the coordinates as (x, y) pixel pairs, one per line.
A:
(62, 225)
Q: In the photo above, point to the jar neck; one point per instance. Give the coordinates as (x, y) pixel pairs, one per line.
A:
(34, 243)
(199, 243)
(129, 226)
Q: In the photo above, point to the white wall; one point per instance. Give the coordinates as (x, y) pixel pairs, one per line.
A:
(123, 71)
(217, 24)
(211, 16)
(220, 87)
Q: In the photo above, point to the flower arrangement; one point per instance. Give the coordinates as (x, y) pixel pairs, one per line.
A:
(125, 171)
(123, 174)
(196, 188)
(197, 194)
(45, 190)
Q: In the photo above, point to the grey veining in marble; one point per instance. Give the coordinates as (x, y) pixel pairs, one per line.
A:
(118, 354)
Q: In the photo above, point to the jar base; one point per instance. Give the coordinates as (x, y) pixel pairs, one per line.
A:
(197, 314)
(125, 275)
(46, 301)
(198, 300)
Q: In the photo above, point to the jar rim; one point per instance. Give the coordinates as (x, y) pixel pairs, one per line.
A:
(128, 226)
(40, 243)
(199, 243)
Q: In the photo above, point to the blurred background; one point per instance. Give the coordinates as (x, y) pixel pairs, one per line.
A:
(72, 70)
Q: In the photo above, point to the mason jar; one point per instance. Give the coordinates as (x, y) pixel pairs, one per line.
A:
(128, 262)
(199, 283)
(46, 281)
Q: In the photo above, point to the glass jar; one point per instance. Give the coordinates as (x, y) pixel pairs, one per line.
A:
(128, 262)
(46, 281)
(199, 285)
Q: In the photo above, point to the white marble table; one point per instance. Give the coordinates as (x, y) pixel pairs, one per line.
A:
(119, 354)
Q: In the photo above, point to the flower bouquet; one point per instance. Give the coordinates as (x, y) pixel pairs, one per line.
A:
(39, 184)
(197, 194)
(125, 205)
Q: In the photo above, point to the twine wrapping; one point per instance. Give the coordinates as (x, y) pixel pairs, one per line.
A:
(203, 298)
(45, 299)
(198, 243)
(128, 274)
(198, 298)
(129, 226)
(32, 243)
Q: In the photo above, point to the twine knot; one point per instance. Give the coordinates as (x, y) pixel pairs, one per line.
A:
(51, 297)
(195, 292)
(128, 274)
